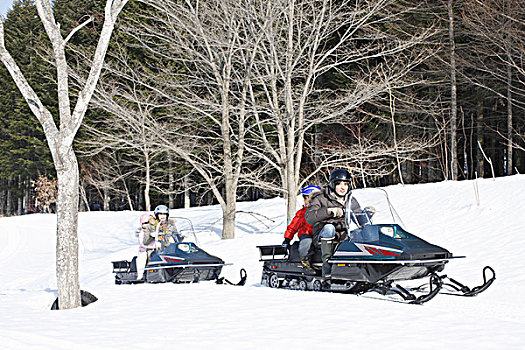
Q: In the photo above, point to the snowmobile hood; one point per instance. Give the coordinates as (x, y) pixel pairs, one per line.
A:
(387, 242)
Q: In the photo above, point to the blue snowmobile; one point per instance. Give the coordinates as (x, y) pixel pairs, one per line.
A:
(177, 259)
(376, 254)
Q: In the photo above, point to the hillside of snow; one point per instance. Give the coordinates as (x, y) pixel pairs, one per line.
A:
(209, 316)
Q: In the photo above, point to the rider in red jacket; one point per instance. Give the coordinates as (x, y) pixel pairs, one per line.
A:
(302, 228)
(298, 225)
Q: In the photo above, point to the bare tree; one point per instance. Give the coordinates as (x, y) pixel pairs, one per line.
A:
(307, 46)
(368, 154)
(127, 128)
(208, 61)
(60, 139)
(498, 58)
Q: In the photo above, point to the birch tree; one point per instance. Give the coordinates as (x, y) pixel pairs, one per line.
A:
(60, 137)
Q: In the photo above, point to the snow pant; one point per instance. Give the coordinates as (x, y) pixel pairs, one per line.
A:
(327, 238)
(327, 232)
(305, 242)
(142, 259)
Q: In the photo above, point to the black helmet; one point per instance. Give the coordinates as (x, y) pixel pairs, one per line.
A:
(338, 175)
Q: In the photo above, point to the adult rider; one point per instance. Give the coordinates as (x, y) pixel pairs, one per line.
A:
(326, 213)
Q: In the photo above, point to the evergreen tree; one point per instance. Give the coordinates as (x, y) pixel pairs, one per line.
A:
(24, 152)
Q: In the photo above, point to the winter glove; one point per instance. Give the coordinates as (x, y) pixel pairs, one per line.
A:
(370, 210)
(286, 242)
(335, 212)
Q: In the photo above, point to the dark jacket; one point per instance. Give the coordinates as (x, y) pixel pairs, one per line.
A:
(317, 213)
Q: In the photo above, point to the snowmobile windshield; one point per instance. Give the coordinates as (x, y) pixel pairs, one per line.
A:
(185, 230)
(370, 206)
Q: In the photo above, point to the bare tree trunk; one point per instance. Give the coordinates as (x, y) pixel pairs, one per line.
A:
(128, 195)
(84, 197)
(171, 202)
(509, 165)
(141, 198)
(147, 184)
(67, 243)
(228, 218)
(453, 94)
(8, 206)
(480, 165)
(19, 198)
(187, 201)
(107, 199)
(27, 194)
(230, 188)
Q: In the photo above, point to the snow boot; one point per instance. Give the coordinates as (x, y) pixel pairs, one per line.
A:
(327, 245)
(306, 263)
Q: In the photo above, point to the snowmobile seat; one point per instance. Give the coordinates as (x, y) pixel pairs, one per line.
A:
(294, 253)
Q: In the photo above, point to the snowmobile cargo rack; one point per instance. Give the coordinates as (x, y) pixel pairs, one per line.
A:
(272, 252)
(121, 266)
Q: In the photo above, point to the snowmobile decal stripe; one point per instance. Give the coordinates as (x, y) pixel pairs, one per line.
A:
(383, 248)
(368, 250)
(372, 250)
(171, 259)
(387, 252)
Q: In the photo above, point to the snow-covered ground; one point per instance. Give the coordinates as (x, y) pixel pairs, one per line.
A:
(209, 316)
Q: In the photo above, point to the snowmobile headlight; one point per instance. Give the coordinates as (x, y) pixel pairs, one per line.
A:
(184, 247)
(388, 231)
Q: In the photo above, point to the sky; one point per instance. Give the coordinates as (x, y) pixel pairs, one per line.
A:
(4, 6)
(482, 220)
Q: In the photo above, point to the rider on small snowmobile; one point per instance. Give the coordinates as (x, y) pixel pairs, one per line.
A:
(163, 230)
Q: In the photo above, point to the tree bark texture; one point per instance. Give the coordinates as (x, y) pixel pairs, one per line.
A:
(453, 94)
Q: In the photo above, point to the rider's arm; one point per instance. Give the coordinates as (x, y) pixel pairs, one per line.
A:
(294, 226)
(149, 235)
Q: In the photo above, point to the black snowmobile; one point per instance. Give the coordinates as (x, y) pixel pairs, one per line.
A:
(177, 259)
(376, 254)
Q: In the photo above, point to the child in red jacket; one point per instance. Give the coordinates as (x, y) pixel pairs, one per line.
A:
(302, 228)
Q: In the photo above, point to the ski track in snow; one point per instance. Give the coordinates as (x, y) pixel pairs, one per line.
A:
(209, 316)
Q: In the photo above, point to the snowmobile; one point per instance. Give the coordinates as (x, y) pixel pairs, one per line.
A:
(376, 254)
(176, 259)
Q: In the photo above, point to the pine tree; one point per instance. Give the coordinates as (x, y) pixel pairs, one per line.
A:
(24, 152)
